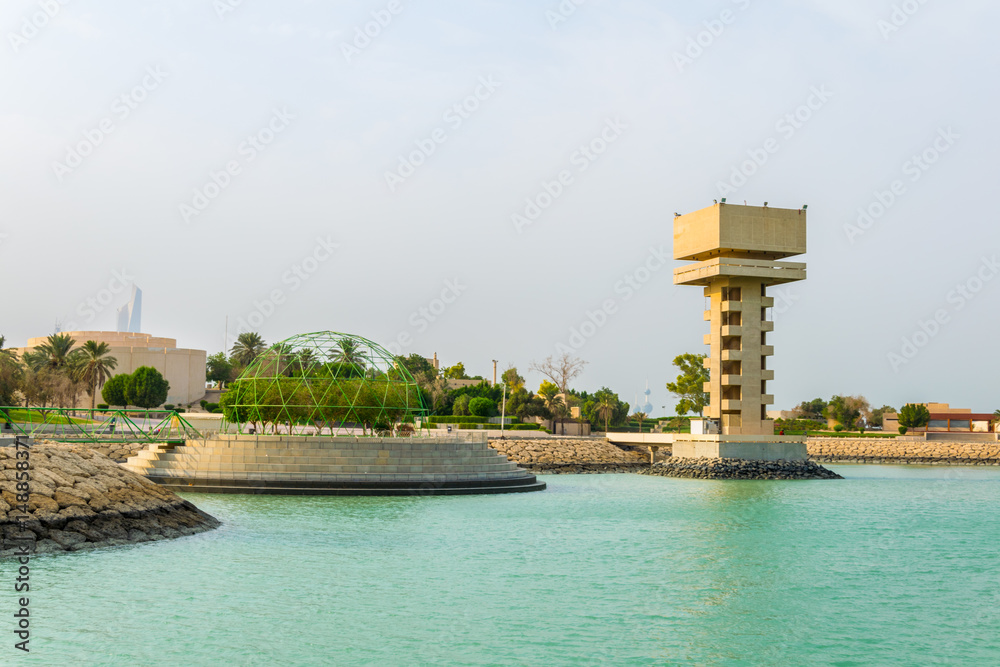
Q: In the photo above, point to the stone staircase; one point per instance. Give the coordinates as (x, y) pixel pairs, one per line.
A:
(311, 465)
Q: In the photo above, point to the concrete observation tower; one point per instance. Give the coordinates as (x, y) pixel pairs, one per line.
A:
(735, 250)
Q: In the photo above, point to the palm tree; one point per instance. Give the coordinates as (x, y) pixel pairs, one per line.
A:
(554, 403)
(350, 352)
(640, 416)
(92, 365)
(249, 345)
(55, 351)
(606, 406)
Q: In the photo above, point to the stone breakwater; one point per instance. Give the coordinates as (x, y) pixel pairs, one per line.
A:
(544, 454)
(80, 499)
(739, 469)
(883, 450)
(118, 451)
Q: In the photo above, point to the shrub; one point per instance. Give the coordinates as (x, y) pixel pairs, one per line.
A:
(903, 430)
(169, 406)
(838, 428)
(211, 407)
(203, 403)
(102, 406)
(113, 391)
(522, 427)
(913, 415)
(457, 420)
(482, 407)
(146, 388)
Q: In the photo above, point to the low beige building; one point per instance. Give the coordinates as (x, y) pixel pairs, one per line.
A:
(946, 419)
(184, 369)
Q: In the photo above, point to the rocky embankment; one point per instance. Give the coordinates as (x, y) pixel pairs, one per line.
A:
(739, 469)
(80, 499)
(118, 451)
(569, 455)
(919, 452)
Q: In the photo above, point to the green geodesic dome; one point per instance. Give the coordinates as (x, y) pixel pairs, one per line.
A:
(324, 382)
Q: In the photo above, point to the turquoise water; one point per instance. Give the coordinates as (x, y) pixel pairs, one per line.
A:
(893, 566)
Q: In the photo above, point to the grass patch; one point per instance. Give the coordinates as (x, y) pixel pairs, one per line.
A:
(33, 417)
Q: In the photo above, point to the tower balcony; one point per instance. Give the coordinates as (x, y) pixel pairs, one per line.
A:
(732, 380)
(769, 272)
(767, 326)
(767, 302)
(767, 350)
(731, 405)
(733, 306)
(767, 399)
(732, 330)
(731, 355)
(766, 374)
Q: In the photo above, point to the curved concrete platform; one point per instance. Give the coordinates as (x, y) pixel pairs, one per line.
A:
(310, 465)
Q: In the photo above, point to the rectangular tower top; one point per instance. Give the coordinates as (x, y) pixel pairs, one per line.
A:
(740, 231)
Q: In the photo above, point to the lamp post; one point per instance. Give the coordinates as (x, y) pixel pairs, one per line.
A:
(503, 410)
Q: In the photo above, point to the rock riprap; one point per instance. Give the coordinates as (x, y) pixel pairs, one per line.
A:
(739, 469)
(80, 499)
(559, 451)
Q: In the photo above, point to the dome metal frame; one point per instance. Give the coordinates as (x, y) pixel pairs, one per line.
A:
(324, 383)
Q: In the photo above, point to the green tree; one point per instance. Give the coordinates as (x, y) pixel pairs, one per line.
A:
(218, 368)
(482, 407)
(811, 409)
(147, 388)
(456, 372)
(11, 375)
(690, 384)
(349, 352)
(114, 390)
(422, 370)
(604, 407)
(847, 410)
(640, 417)
(92, 365)
(914, 415)
(512, 379)
(248, 346)
(55, 351)
(461, 406)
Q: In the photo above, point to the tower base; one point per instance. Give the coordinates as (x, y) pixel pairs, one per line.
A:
(749, 447)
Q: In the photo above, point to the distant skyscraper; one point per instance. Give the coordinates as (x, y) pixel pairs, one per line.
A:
(648, 407)
(130, 315)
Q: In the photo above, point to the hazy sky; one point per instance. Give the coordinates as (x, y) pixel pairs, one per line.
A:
(271, 162)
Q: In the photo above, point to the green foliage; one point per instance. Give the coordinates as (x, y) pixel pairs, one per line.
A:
(211, 407)
(523, 427)
(92, 365)
(846, 409)
(482, 407)
(11, 375)
(903, 430)
(812, 409)
(798, 426)
(169, 407)
(456, 372)
(914, 415)
(605, 410)
(421, 369)
(218, 368)
(512, 379)
(689, 386)
(103, 406)
(457, 420)
(113, 391)
(461, 405)
(249, 345)
(838, 428)
(146, 388)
